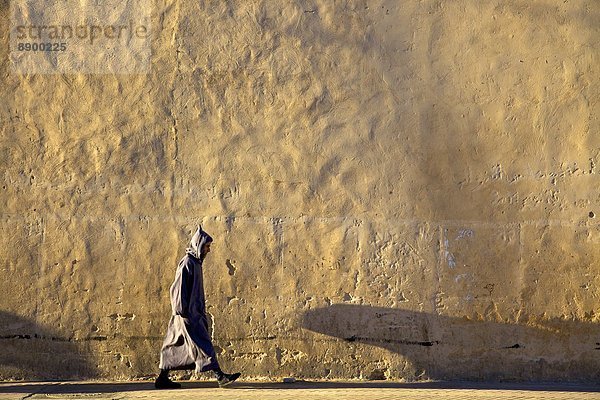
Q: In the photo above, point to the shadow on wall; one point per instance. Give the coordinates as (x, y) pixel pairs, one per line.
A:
(29, 351)
(449, 348)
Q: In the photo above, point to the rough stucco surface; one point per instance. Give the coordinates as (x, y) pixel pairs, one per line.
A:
(398, 189)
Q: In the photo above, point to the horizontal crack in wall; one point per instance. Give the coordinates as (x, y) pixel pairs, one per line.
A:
(407, 342)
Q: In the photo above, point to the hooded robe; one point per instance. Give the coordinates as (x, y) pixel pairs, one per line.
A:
(188, 344)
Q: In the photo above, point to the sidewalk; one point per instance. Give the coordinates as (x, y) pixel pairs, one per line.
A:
(299, 390)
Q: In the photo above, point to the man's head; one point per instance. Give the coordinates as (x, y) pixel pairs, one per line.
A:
(205, 249)
(200, 244)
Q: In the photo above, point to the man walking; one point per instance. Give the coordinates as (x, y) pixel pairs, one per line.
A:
(187, 344)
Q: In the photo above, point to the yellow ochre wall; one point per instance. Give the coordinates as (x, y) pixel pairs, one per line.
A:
(397, 189)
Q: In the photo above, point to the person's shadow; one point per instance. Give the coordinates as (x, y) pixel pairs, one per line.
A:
(446, 348)
(30, 351)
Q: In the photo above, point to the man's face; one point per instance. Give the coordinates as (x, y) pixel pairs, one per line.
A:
(205, 250)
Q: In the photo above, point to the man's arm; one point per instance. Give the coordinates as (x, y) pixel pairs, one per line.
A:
(183, 291)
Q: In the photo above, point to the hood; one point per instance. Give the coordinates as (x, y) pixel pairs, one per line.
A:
(199, 239)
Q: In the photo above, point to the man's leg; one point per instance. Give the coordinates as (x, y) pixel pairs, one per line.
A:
(223, 378)
(163, 381)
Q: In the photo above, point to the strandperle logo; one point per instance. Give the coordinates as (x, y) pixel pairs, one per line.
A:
(66, 36)
(93, 33)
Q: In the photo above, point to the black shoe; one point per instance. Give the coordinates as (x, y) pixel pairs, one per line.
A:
(227, 379)
(166, 383)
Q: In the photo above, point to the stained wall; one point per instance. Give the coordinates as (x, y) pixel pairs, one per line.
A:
(397, 189)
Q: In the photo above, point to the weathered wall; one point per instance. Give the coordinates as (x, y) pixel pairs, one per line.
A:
(405, 189)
